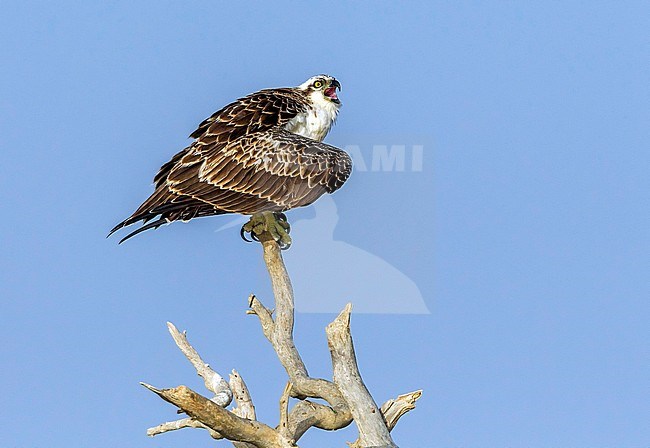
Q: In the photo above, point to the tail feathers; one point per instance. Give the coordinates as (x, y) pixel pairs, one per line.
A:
(152, 225)
(166, 207)
(147, 211)
(131, 220)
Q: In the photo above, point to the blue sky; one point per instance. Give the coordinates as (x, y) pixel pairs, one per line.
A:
(526, 231)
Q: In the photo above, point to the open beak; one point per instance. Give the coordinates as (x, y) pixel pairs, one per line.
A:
(330, 92)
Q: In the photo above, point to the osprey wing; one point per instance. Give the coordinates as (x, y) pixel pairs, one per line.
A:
(271, 170)
(244, 161)
(256, 112)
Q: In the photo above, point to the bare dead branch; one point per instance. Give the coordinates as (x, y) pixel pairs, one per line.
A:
(279, 332)
(243, 399)
(347, 396)
(213, 381)
(393, 409)
(226, 423)
(373, 431)
(283, 427)
(244, 402)
(306, 414)
(180, 424)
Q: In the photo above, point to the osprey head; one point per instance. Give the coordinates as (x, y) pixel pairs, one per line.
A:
(322, 89)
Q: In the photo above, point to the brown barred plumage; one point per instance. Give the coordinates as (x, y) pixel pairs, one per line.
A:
(262, 152)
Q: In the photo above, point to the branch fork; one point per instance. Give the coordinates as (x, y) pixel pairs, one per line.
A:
(346, 395)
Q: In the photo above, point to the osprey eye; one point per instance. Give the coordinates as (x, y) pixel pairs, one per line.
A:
(318, 84)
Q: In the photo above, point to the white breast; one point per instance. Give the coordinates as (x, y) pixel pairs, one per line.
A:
(315, 123)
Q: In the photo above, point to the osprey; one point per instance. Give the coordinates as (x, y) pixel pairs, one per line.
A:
(260, 155)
